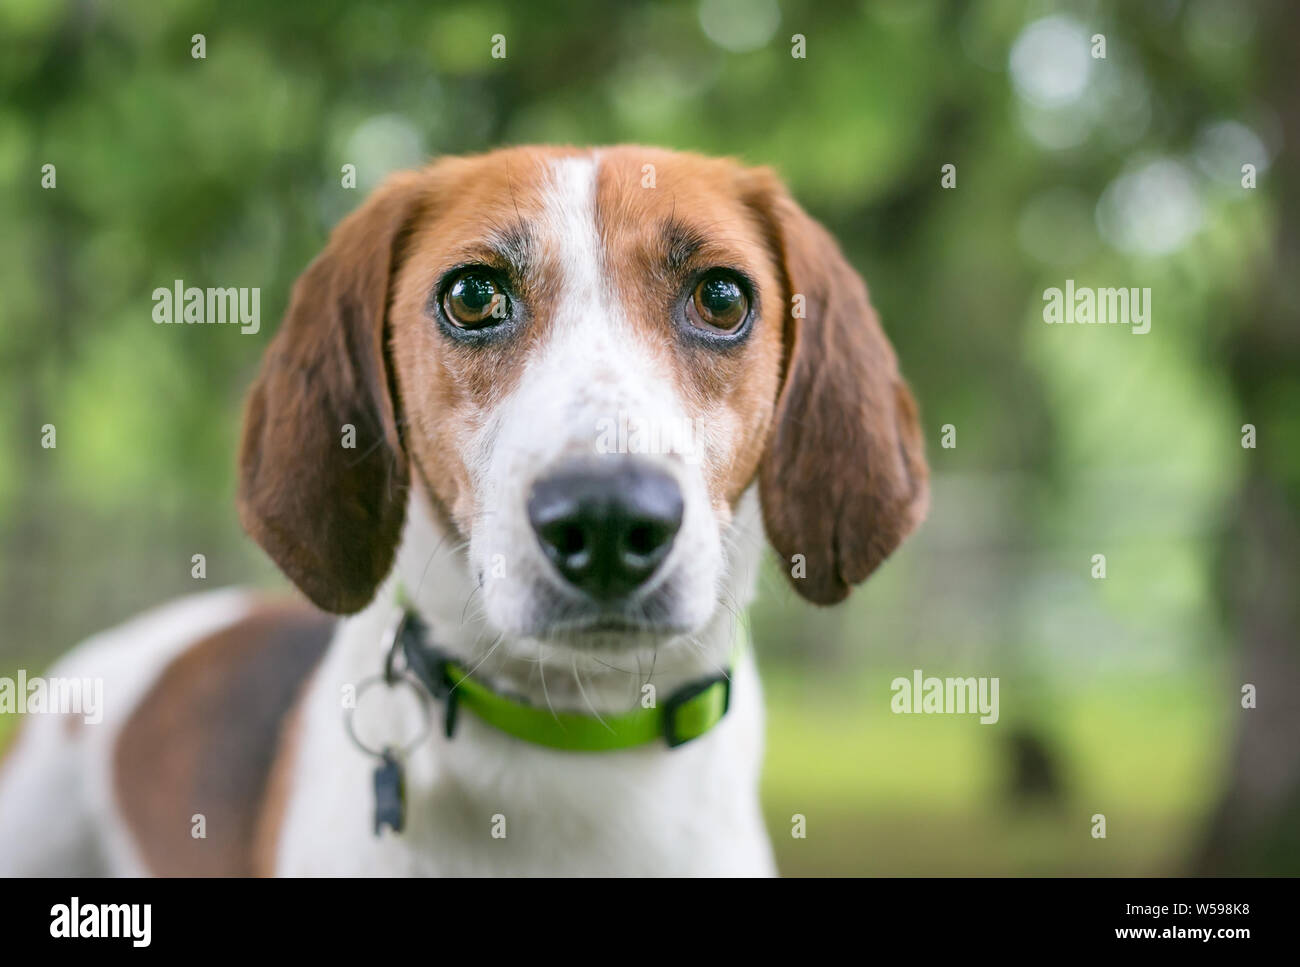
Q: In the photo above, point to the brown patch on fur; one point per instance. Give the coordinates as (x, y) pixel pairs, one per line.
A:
(657, 242)
(844, 479)
(204, 740)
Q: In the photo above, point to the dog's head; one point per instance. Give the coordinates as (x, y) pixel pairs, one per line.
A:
(586, 358)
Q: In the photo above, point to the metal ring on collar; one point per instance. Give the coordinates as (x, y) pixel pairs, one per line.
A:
(363, 687)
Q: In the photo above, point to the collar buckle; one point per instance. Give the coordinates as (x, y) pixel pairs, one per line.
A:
(695, 708)
(428, 664)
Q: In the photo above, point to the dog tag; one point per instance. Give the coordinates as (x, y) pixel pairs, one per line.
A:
(390, 794)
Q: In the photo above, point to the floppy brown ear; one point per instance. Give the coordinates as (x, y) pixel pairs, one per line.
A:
(844, 477)
(331, 515)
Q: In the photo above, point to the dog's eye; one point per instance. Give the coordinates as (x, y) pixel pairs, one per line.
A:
(718, 303)
(474, 300)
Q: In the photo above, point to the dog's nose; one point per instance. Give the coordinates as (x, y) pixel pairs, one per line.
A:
(606, 524)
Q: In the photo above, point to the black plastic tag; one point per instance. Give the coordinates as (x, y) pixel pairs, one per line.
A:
(390, 794)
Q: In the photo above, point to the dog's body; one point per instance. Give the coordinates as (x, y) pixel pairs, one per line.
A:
(223, 748)
(71, 804)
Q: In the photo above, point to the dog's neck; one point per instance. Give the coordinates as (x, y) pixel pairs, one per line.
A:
(433, 572)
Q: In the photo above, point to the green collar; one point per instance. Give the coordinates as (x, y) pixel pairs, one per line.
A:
(686, 714)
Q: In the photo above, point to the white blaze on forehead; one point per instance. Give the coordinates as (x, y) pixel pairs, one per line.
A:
(570, 236)
(594, 366)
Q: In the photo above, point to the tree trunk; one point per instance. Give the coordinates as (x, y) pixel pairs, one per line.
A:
(1256, 827)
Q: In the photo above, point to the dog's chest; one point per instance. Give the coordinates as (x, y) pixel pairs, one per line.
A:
(485, 804)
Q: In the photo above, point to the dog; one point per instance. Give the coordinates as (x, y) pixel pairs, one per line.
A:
(465, 439)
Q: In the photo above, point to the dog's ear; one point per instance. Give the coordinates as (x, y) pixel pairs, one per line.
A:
(323, 476)
(844, 477)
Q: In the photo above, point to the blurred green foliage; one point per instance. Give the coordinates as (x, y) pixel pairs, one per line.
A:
(1071, 441)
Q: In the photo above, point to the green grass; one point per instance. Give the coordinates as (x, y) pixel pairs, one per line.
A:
(926, 794)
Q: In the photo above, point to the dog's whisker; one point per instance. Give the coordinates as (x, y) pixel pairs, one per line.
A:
(597, 660)
(541, 664)
(419, 586)
(476, 590)
(470, 672)
(577, 677)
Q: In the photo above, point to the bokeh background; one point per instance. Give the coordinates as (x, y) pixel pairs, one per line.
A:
(1119, 696)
